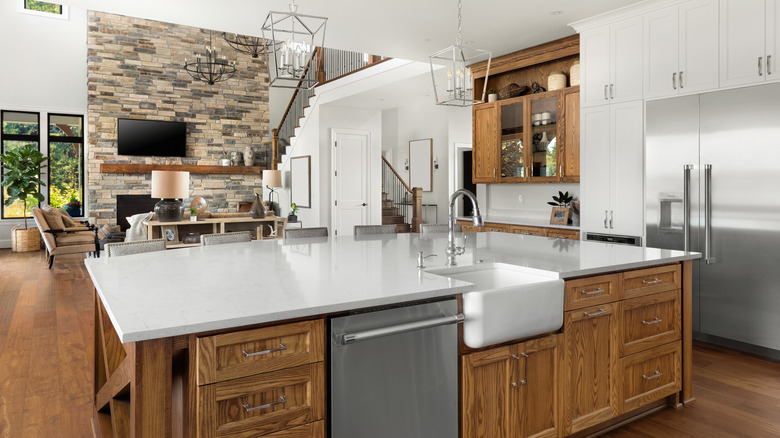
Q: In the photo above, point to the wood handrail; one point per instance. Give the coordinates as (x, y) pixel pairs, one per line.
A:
(397, 175)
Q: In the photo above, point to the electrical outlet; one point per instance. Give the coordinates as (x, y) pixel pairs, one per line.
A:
(520, 199)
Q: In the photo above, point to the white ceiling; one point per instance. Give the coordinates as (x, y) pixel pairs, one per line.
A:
(407, 29)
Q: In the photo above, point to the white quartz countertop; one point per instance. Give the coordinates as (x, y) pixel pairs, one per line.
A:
(191, 290)
(527, 221)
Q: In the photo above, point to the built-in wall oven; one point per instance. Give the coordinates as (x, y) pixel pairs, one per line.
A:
(394, 372)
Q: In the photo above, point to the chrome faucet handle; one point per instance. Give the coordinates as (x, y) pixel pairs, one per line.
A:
(421, 258)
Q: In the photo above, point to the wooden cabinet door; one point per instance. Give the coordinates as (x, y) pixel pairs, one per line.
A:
(698, 52)
(590, 365)
(485, 150)
(626, 60)
(660, 53)
(626, 215)
(540, 360)
(742, 39)
(570, 154)
(594, 66)
(490, 394)
(595, 170)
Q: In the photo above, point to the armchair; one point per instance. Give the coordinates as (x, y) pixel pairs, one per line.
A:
(67, 240)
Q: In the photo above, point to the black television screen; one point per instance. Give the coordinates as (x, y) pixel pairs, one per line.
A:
(151, 138)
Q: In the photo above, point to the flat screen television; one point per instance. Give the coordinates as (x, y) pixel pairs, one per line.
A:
(153, 138)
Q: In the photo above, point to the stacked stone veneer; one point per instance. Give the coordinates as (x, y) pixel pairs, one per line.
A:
(135, 70)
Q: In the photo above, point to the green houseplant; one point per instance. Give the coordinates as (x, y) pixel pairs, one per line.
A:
(293, 217)
(562, 200)
(22, 179)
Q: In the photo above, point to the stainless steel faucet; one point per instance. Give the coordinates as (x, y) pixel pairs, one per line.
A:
(452, 249)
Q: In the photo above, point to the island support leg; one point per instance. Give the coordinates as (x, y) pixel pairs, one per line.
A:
(150, 392)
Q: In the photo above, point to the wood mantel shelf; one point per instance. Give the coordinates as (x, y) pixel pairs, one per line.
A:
(192, 168)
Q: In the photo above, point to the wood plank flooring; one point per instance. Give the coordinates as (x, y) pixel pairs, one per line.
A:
(46, 324)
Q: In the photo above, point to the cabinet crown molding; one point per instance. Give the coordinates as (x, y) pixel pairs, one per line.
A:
(630, 11)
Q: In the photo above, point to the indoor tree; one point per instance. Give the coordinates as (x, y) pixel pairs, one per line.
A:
(22, 175)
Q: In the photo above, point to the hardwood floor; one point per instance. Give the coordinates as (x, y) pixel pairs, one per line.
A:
(46, 323)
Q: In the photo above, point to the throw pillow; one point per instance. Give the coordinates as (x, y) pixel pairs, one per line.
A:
(137, 230)
(53, 219)
(103, 232)
(68, 221)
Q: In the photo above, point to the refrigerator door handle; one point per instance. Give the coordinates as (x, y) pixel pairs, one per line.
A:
(708, 259)
(687, 206)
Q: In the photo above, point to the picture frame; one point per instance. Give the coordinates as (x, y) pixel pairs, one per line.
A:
(170, 233)
(421, 164)
(300, 181)
(560, 216)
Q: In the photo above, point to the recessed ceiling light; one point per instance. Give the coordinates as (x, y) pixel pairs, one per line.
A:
(556, 12)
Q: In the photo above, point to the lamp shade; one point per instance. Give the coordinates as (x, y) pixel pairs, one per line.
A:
(272, 178)
(170, 185)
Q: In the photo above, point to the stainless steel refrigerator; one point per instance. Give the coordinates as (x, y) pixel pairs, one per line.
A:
(712, 185)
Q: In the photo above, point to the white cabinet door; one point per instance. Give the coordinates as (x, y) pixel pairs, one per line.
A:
(661, 53)
(595, 168)
(627, 181)
(594, 67)
(626, 60)
(742, 39)
(772, 40)
(698, 49)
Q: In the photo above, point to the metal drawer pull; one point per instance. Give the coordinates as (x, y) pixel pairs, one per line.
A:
(611, 89)
(365, 335)
(600, 312)
(605, 218)
(681, 80)
(654, 281)
(525, 381)
(517, 358)
(674, 80)
(768, 65)
(605, 93)
(592, 292)
(654, 376)
(282, 400)
(259, 353)
(655, 321)
(760, 69)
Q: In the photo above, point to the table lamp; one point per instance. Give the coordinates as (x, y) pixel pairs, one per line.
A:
(272, 179)
(170, 187)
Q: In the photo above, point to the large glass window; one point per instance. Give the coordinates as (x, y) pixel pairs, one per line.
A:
(66, 162)
(18, 129)
(52, 8)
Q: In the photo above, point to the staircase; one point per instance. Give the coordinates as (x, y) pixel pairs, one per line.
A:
(390, 215)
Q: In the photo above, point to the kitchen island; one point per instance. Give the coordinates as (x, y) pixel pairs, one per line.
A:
(159, 316)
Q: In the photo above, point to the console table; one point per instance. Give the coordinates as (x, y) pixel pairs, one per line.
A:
(154, 229)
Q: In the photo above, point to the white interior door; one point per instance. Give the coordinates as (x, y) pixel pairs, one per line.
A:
(350, 179)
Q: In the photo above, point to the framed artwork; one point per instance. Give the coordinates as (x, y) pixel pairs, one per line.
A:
(421, 164)
(560, 216)
(170, 233)
(300, 181)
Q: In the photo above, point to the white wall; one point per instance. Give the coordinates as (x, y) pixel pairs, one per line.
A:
(502, 199)
(44, 69)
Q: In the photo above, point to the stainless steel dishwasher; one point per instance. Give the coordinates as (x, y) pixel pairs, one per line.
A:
(394, 372)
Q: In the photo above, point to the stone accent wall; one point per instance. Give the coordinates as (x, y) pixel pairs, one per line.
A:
(135, 70)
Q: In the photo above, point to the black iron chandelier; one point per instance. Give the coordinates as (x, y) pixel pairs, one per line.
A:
(210, 67)
(254, 46)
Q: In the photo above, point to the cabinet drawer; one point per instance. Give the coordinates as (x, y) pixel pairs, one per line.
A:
(563, 234)
(591, 291)
(528, 231)
(240, 354)
(652, 280)
(262, 404)
(650, 321)
(496, 227)
(651, 375)
(311, 430)
(468, 227)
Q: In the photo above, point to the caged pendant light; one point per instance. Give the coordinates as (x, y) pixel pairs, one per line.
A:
(210, 67)
(295, 38)
(454, 88)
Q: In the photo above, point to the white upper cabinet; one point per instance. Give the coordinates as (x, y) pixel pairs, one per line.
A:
(611, 63)
(680, 53)
(748, 38)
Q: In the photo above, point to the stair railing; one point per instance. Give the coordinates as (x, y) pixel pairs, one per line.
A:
(325, 65)
(404, 198)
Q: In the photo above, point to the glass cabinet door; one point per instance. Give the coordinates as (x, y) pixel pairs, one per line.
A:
(512, 132)
(544, 138)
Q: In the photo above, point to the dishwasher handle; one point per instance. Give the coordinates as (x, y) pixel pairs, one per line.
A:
(350, 338)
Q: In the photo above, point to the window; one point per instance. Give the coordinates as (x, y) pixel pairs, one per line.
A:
(66, 162)
(18, 129)
(51, 8)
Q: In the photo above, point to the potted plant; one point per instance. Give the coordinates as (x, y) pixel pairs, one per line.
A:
(225, 160)
(73, 207)
(193, 214)
(22, 178)
(561, 208)
(492, 96)
(292, 217)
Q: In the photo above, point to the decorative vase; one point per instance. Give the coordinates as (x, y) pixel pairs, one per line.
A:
(235, 158)
(191, 238)
(257, 211)
(249, 159)
(224, 162)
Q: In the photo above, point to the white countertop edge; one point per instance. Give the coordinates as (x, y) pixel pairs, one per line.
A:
(599, 270)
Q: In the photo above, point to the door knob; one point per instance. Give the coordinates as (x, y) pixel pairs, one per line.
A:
(364, 204)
